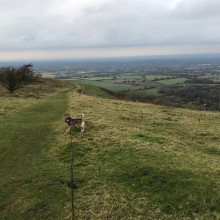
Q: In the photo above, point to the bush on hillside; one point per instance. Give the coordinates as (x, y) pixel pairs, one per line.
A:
(13, 78)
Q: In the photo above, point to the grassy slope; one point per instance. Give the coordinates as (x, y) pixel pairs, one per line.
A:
(134, 161)
(29, 95)
(94, 91)
(139, 161)
(110, 86)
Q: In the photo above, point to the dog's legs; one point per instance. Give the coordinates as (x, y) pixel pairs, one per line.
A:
(67, 129)
(82, 125)
(67, 126)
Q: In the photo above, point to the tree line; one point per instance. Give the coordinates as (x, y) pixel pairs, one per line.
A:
(203, 97)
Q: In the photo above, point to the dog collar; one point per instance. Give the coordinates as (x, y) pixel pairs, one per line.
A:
(68, 119)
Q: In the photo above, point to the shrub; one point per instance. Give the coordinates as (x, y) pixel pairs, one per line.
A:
(14, 78)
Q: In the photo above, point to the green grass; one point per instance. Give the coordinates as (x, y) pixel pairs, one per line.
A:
(134, 161)
(32, 179)
(98, 92)
(153, 91)
(110, 86)
(28, 95)
(140, 161)
(172, 81)
(95, 91)
(148, 138)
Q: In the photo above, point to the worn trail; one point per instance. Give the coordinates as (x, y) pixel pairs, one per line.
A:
(32, 179)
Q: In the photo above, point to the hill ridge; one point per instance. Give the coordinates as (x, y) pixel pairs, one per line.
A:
(134, 161)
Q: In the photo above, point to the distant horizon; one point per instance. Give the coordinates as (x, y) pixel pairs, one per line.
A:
(97, 53)
(129, 57)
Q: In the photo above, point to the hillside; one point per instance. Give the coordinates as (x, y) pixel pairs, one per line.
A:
(134, 161)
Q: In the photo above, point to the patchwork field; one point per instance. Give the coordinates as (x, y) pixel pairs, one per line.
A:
(134, 161)
(137, 83)
(172, 81)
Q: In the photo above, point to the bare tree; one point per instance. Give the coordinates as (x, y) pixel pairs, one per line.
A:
(14, 78)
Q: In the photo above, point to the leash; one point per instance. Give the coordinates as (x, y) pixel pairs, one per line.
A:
(72, 183)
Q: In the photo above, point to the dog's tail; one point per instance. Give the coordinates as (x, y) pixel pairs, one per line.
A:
(82, 116)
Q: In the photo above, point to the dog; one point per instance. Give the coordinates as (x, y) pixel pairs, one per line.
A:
(73, 121)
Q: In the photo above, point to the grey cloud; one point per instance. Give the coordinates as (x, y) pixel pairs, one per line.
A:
(108, 23)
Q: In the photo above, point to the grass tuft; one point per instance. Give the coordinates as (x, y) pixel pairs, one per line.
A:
(148, 138)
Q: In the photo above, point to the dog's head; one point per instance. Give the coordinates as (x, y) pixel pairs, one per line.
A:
(66, 115)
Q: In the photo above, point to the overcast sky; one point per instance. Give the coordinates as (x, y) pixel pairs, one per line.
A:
(88, 28)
